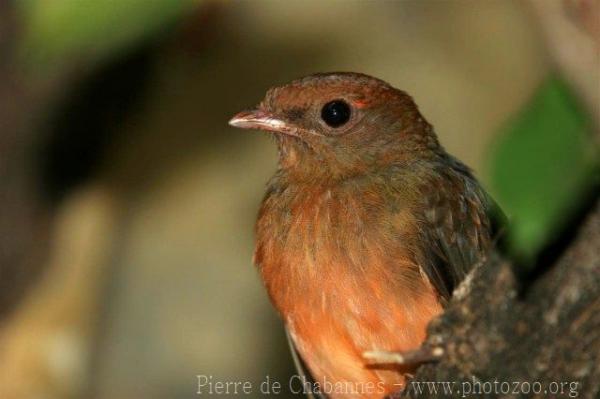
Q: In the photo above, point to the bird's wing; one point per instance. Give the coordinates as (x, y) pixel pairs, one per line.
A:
(460, 223)
(302, 369)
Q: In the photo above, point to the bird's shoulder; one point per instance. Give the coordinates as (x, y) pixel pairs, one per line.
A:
(457, 220)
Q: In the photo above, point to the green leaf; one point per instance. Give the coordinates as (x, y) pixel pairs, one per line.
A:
(542, 166)
(89, 30)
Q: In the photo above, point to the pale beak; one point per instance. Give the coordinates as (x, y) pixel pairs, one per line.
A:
(262, 120)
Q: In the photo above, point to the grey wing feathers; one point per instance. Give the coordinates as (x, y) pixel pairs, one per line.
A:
(459, 228)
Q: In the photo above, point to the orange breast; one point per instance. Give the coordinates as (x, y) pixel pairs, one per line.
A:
(351, 319)
(340, 271)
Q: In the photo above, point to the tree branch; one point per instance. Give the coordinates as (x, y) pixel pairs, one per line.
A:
(549, 334)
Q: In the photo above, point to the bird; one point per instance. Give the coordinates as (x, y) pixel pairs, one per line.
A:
(366, 227)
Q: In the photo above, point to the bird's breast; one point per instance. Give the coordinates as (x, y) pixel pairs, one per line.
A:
(338, 265)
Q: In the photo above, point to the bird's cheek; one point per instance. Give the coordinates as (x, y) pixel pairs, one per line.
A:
(288, 156)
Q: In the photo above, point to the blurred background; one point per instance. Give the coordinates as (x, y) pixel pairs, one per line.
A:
(127, 204)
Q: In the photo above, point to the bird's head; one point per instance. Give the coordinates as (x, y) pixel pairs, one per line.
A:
(336, 125)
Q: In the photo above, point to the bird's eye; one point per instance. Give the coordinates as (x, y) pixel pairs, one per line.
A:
(335, 113)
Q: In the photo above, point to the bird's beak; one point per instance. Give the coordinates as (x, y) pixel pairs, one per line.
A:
(262, 120)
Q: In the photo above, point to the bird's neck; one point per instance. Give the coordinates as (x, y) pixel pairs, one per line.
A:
(301, 163)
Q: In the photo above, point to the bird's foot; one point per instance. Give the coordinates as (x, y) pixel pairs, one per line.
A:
(424, 354)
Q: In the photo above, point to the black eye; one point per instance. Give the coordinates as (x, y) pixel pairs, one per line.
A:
(335, 113)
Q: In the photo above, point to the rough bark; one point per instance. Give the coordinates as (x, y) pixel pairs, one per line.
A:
(548, 334)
